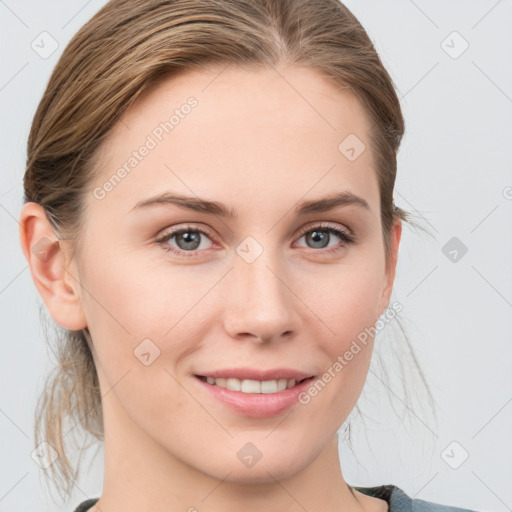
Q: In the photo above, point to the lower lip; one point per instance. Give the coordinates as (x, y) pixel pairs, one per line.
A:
(257, 405)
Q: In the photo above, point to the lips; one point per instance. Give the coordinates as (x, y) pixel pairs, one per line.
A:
(251, 403)
(256, 374)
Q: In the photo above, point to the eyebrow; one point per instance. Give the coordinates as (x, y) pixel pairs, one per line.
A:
(197, 204)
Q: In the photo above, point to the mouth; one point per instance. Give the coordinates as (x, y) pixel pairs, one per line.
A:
(251, 386)
(255, 393)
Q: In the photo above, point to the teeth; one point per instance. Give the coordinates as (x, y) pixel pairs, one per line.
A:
(252, 386)
(233, 384)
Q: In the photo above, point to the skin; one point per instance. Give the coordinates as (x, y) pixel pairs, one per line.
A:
(260, 141)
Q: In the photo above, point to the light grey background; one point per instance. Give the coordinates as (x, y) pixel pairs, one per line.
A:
(455, 171)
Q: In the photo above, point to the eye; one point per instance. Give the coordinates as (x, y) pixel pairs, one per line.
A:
(188, 240)
(320, 236)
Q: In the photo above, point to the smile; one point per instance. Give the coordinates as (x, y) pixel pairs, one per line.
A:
(252, 386)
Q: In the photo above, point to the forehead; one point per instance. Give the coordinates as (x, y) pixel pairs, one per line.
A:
(279, 132)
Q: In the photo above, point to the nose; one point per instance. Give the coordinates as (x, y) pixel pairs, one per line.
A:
(260, 304)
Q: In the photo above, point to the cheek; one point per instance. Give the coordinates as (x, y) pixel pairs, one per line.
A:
(348, 308)
(135, 298)
(139, 312)
(347, 301)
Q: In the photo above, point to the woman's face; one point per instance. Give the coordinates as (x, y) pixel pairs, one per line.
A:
(266, 288)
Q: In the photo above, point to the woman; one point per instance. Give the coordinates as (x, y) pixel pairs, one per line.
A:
(209, 215)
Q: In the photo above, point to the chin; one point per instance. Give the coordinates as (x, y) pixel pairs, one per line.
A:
(262, 472)
(258, 476)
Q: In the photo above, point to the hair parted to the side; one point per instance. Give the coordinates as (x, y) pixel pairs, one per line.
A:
(121, 51)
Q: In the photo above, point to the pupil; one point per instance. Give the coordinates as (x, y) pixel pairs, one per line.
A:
(317, 238)
(189, 238)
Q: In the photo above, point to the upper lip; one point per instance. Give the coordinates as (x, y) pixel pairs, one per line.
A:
(255, 374)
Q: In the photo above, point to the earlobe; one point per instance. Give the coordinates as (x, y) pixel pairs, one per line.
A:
(395, 236)
(50, 268)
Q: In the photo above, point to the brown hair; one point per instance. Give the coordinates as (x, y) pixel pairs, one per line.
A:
(124, 49)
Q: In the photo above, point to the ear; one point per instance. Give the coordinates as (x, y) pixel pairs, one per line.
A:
(50, 265)
(389, 279)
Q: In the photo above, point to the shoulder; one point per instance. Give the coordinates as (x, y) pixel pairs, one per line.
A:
(399, 501)
(86, 505)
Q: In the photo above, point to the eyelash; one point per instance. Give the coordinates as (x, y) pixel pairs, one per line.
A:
(345, 237)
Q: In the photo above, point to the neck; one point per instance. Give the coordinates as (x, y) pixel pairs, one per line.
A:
(142, 475)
